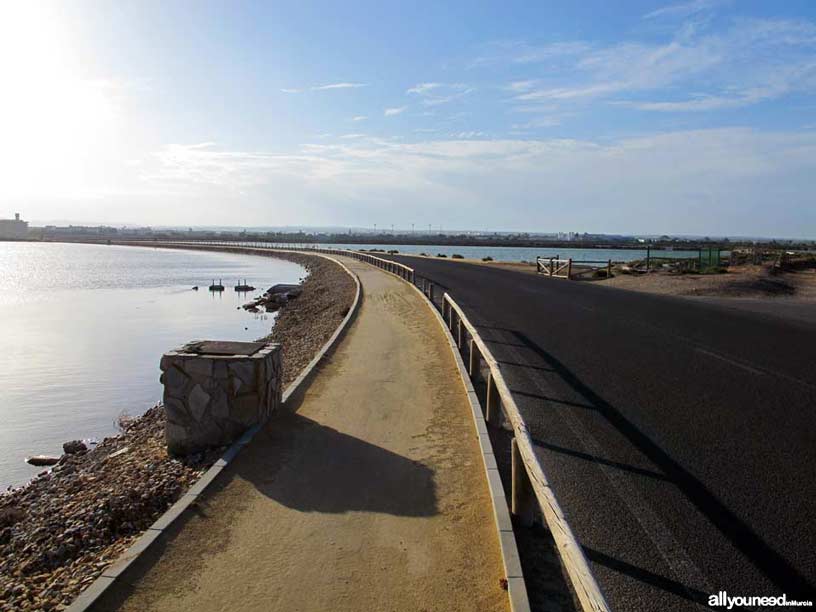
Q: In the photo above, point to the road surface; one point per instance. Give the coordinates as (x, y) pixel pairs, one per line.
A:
(679, 435)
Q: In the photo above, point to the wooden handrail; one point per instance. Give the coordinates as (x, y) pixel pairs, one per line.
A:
(575, 562)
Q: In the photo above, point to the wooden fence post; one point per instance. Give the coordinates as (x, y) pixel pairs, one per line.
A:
(492, 403)
(609, 269)
(569, 269)
(473, 358)
(459, 333)
(521, 502)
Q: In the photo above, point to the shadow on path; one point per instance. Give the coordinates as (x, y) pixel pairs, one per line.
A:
(312, 468)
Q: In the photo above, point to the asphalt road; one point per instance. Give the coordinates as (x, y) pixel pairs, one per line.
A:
(679, 435)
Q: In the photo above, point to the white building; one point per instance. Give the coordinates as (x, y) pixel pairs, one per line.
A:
(13, 229)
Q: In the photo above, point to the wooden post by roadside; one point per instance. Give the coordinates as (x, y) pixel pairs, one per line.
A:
(492, 403)
(609, 268)
(473, 358)
(569, 269)
(459, 332)
(521, 502)
(431, 292)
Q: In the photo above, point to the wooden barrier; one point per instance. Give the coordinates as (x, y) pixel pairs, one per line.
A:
(560, 268)
(528, 478)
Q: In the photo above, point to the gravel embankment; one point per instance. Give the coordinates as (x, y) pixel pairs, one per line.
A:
(60, 531)
(305, 324)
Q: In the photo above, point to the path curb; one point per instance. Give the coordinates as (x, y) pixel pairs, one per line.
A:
(516, 587)
(91, 594)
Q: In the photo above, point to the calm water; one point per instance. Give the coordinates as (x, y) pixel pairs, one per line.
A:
(520, 253)
(83, 328)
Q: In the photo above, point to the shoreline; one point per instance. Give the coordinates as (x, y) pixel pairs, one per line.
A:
(63, 528)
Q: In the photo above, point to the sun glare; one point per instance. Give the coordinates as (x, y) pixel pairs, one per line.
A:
(52, 117)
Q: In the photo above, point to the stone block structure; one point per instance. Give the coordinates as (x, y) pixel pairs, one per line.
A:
(214, 391)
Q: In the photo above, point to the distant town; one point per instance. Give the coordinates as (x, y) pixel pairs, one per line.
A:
(18, 229)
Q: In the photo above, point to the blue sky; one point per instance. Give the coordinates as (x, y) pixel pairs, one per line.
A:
(694, 117)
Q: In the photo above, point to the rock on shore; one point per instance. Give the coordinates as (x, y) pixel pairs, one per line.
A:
(60, 531)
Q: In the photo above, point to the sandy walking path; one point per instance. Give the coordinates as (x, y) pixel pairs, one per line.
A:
(371, 497)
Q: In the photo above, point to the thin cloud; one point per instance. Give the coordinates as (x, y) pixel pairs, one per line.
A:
(390, 112)
(423, 88)
(685, 9)
(295, 90)
(360, 118)
(338, 86)
(434, 94)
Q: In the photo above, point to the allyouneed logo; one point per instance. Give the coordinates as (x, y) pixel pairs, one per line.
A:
(723, 600)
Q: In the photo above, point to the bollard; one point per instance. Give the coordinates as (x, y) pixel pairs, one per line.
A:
(492, 415)
(521, 503)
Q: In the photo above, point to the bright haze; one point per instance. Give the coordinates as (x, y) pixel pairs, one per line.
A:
(632, 117)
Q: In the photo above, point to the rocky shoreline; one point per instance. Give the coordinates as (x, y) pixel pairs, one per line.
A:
(59, 532)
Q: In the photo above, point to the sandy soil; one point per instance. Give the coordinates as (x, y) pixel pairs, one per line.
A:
(370, 497)
(737, 282)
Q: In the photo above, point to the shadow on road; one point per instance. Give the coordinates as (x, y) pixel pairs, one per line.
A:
(769, 562)
(660, 582)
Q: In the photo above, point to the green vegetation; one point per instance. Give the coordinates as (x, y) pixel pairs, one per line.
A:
(457, 256)
(488, 258)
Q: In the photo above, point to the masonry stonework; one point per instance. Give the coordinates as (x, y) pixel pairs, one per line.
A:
(215, 391)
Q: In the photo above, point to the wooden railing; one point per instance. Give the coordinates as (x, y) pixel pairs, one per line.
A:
(564, 268)
(529, 483)
(553, 266)
(393, 267)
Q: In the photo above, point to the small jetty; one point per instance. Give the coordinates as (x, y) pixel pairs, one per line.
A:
(217, 287)
(244, 287)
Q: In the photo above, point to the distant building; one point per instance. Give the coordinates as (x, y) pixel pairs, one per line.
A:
(13, 229)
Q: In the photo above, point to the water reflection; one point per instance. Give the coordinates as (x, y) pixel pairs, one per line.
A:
(84, 327)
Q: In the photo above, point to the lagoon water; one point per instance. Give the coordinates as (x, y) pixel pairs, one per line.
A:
(83, 328)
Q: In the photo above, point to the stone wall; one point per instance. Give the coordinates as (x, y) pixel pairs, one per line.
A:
(211, 399)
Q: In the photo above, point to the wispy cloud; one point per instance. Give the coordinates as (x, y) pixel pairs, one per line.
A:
(750, 62)
(434, 94)
(467, 171)
(390, 112)
(359, 118)
(685, 9)
(423, 88)
(522, 86)
(338, 86)
(520, 52)
(296, 90)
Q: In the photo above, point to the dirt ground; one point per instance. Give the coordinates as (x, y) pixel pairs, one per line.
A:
(738, 282)
(370, 497)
